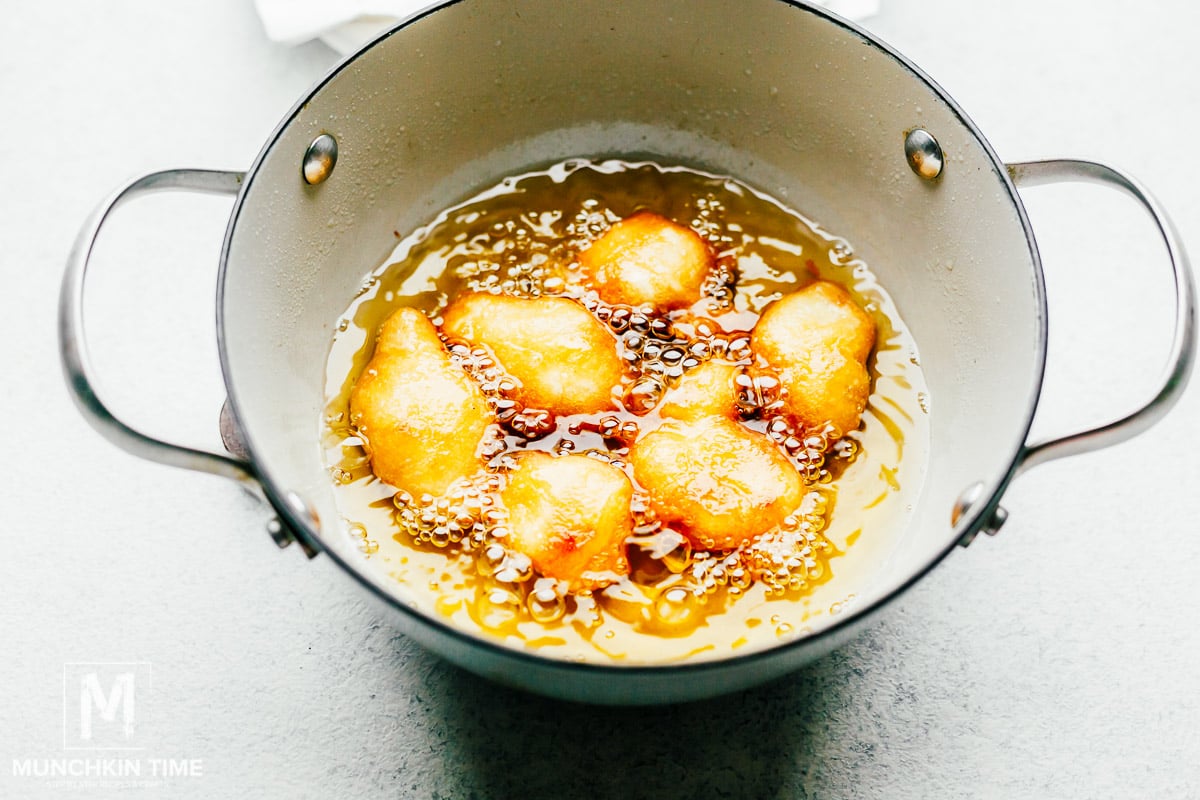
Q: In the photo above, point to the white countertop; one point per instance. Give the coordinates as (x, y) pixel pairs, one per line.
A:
(1059, 659)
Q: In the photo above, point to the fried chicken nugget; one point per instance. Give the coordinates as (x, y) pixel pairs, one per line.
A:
(706, 391)
(565, 360)
(817, 341)
(646, 258)
(719, 482)
(420, 415)
(570, 515)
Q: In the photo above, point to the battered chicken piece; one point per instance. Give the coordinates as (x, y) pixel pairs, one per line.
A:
(817, 341)
(570, 515)
(420, 415)
(706, 391)
(646, 258)
(564, 358)
(718, 482)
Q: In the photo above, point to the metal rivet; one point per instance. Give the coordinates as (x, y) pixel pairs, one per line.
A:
(279, 533)
(319, 159)
(996, 521)
(969, 498)
(231, 437)
(303, 509)
(924, 154)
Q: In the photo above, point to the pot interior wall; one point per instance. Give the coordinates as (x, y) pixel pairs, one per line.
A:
(778, 95)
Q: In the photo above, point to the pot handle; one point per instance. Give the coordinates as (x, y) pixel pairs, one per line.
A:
(77, 367)
(1183, 344)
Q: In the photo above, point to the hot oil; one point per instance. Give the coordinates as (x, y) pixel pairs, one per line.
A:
(522, 237)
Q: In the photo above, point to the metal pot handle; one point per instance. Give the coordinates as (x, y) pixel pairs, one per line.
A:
(77, 366)
(1183, 344)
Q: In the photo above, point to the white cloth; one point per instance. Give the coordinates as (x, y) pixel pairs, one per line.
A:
(345, 25)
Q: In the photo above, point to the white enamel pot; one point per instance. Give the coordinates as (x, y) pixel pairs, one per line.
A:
(784, 96)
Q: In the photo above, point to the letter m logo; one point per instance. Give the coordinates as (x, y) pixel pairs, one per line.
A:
(92, 699)
(101, 705)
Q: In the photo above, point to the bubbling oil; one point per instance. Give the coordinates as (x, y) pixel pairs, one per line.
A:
(448, 554)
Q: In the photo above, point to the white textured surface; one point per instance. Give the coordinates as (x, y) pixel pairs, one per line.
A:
(1059, 659)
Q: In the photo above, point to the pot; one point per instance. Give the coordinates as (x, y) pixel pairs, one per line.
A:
(786, 97)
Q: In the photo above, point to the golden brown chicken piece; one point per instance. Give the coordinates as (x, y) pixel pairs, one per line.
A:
(817, 341)
(564, 359)
(646, 258)
(421, 416)
(706, 391)
(570, 515)
(720, 483)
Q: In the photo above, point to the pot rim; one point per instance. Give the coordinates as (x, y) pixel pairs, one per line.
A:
(971, 524)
